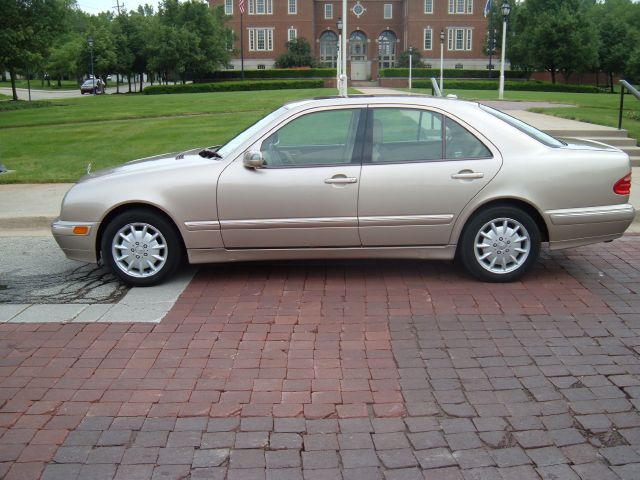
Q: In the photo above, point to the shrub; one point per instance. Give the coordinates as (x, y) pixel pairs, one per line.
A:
(272, 73)
(232, 86)
(449, 73)
(10, 105)
(531, 86)
(298, 54)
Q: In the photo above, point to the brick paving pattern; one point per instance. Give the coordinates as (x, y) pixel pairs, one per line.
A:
(354, 370)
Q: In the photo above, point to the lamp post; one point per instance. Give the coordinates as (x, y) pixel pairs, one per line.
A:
(339, 57)
(506, 9)
(441, 59)
(343, 49)
(410, 66)
(93, 77)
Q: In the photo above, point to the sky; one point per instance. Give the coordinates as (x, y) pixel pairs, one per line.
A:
(97, 6)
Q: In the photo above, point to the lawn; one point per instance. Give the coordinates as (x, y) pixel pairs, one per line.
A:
(598, 108)
(38, 85)
(55, 143)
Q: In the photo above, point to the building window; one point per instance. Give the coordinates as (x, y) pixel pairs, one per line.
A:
(328, 11)
(428, 39)
(387, 42)
(460, 39)
(260, 7)
(428, 6)
(388, 11)
(460, 6)
(292, 33)
(328, 49)
(228, 7)
(261, 39)
(293, 7)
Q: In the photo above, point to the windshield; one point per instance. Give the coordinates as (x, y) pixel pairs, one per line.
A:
(249, 132)
(534, 133)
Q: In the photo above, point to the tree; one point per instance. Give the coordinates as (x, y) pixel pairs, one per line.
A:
(553, 35)
(27, 28)
(298, 54)
(618, 36)
(403, 59)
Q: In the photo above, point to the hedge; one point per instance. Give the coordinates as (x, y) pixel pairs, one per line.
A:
(232, 86)
(273, 73)
(531, 86)
(449, 73)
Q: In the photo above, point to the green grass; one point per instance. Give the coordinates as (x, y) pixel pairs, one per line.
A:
(37, 85)
(55, 144)
(598, 108)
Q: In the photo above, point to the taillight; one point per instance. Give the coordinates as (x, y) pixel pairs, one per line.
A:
(623, 186)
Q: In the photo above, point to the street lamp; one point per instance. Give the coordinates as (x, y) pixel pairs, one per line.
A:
(441, 59)
(93, 77)
(343, 49)
(506, 9)
(410, 66)
(339, 57)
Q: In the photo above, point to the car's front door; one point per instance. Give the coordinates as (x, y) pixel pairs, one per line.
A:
(306, 194)
(420, 169)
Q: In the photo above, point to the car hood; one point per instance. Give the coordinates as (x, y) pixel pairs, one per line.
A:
(584, 144)
(165, 161)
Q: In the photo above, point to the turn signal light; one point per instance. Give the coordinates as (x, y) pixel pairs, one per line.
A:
(623, 186)
(80, 230)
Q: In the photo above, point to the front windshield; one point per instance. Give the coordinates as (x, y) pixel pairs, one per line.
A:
(542, 137)
(249, 132)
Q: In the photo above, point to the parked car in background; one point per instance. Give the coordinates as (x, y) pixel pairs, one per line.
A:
(382, 177)
(92, 84)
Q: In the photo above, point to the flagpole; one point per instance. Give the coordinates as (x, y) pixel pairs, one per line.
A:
(241, 46)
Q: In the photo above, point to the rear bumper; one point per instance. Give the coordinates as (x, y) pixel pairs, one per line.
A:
(76, 247)
(573, 227)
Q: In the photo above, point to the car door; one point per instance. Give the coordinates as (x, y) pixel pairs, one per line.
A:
(306, 193)
(420, 168)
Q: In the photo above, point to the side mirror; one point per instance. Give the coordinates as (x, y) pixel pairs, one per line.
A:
(253, 159)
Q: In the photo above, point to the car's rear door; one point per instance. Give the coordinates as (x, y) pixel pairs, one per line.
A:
(307, 193)
(420, 168)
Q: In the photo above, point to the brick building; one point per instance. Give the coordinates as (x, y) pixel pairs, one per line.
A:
(379, 30)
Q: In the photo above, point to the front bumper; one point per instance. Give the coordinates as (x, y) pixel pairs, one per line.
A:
(573, 227)
(74, 246)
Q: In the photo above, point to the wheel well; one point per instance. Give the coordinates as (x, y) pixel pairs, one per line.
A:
(512, 202)
(123, 208)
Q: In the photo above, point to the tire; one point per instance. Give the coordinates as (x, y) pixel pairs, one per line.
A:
(510, 241)
(153, 248)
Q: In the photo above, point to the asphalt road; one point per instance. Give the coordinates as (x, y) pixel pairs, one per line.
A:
(33, 270)
(23, 93)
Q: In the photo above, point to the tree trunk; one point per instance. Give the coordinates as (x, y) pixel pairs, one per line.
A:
(553, 75)
(117, 83)
(59, 82)
(141, 81)
(611, 81)
(129, 80)
(12, 74)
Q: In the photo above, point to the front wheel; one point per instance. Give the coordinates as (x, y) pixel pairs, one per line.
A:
(500, 244)
(141, 248)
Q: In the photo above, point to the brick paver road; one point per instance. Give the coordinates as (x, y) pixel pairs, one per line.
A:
(355, 370)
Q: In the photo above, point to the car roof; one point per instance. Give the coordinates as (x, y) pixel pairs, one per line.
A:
(400, 100)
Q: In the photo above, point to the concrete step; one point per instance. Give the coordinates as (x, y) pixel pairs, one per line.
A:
(588, 133)
(615, 141)
(635, 161)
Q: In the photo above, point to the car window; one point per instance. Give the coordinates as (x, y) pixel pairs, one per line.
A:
(460, 143)
(320, 138)
(405, 135)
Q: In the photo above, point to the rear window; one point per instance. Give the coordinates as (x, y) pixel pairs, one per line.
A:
(534, 133)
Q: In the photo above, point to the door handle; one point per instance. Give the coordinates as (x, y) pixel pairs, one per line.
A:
(467, 175)
(340, 180)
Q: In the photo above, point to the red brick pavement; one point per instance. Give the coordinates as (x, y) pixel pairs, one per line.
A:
(286, 340)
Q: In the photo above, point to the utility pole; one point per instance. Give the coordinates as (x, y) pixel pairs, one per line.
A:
(118, 6)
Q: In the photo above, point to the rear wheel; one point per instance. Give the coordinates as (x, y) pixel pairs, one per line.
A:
(141, 248)
(500, 244)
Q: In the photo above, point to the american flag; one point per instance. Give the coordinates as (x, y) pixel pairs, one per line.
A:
(241, 6)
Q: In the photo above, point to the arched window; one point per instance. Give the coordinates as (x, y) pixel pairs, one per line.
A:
(358, 46)
(387, 49)
(328, 49)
